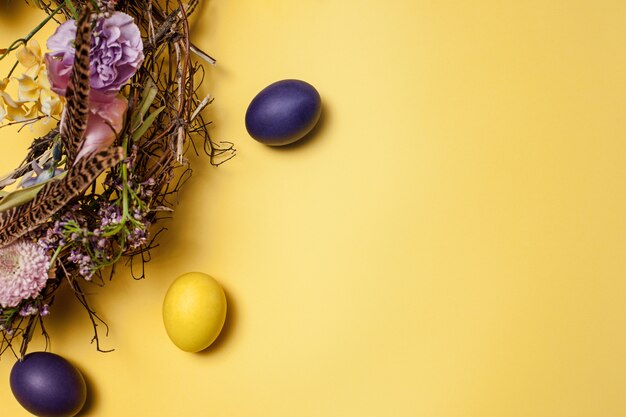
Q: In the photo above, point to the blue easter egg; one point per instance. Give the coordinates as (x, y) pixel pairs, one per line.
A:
(283, 112)
(47, 385)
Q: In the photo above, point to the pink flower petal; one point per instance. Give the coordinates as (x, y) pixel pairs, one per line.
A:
(104, 124)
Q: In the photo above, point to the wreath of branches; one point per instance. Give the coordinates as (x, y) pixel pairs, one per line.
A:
(165, 96)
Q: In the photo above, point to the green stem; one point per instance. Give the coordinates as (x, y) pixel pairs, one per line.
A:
(12, 69)
(124, 190)
(124, 195)
(56, 254)
(32, 33)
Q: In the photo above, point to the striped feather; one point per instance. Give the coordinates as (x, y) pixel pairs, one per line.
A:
(17, 221)
(76, 112)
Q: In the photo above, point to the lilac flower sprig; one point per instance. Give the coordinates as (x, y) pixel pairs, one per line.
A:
(99, 242)
(11, 318)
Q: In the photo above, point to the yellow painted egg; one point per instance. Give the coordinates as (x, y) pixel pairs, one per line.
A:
(194, 311)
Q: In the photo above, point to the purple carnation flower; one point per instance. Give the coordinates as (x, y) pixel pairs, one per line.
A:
(116, 53)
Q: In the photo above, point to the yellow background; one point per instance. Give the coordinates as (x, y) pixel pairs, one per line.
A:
(450, 242)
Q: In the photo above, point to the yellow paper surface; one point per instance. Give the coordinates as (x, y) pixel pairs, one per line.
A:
(450, 241)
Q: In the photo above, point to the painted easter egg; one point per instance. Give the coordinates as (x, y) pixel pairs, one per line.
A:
(194, 311)
(46, 384)
(283, 112)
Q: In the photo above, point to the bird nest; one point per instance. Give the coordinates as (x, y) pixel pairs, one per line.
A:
(119, 89)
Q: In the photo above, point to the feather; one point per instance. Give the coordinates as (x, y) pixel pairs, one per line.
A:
(76, 112)
(17, 221)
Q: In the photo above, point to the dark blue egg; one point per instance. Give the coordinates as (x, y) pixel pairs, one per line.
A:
(283, 112)
(47, 385)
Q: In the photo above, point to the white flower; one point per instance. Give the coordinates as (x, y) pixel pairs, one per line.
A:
(23, 272)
